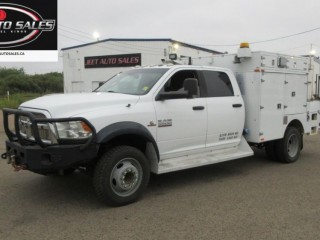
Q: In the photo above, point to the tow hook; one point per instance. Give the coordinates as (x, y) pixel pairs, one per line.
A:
(17, 168)
(4, 156)
(12, 160)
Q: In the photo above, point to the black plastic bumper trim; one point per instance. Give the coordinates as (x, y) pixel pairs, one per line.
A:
(51, 159)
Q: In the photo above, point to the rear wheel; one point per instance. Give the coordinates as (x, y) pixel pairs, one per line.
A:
(121, 175)
(288, 149)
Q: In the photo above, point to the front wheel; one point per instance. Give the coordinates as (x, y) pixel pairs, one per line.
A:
(288, 149)
(121, 175)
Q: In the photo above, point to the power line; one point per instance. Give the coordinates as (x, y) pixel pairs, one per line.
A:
(292, 35)
(263, 41)
(117, 44)
(62, 35)
(215, 45)
(107, 45)
(94, 45)
(97, 45)
(132, 46)
(89, 36)
(77, 30)
(75, 33)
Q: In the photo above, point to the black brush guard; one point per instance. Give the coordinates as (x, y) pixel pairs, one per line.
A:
(40, 157)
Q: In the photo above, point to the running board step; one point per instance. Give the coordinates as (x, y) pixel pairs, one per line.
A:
(207, 158)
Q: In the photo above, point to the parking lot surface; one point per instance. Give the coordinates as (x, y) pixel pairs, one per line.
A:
(250, 198)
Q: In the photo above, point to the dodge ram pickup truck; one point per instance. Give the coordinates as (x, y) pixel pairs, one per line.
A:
(158, 120)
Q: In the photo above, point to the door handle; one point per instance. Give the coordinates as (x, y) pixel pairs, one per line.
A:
(197, 108)
(238, 105)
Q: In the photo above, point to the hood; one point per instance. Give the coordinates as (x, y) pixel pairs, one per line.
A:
(68, 105)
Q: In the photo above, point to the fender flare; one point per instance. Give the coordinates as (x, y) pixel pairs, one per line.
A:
(124, 128)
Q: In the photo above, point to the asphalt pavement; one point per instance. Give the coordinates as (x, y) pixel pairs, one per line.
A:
(250, 198)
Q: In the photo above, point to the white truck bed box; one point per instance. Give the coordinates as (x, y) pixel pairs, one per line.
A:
(275, 91)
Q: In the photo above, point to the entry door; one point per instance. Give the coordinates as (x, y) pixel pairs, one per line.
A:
(182, 123)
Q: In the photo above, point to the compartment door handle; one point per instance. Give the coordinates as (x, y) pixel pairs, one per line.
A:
(238, 105)
(197, 108)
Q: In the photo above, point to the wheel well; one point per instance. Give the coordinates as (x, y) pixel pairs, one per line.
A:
(297, 124)
(136, 141)
(128, 140)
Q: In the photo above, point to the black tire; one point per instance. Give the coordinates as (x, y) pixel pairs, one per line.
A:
(121, 176)
(271, 150)
(288, 149)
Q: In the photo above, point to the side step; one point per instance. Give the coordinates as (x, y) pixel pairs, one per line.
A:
(206, 158)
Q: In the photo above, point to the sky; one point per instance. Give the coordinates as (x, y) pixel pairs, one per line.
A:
(215, 24)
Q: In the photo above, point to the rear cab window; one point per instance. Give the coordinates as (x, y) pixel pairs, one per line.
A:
(218, 84)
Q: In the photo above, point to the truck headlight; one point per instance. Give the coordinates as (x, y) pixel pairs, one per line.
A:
(73, 130)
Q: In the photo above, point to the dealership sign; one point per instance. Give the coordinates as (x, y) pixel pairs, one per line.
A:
(124, 60)
(24, 29)
(24, 26)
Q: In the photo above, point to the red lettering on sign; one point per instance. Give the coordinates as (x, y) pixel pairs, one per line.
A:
(103, 61)
(91, 61)
(127, 60)
(135, 60)
(113, 61)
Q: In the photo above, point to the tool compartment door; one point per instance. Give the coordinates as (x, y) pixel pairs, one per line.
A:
(295, 93)
(272, 106)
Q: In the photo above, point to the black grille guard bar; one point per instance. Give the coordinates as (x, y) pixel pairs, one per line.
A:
(16, 136)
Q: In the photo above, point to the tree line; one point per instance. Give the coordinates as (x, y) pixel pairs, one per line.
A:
(17, 81)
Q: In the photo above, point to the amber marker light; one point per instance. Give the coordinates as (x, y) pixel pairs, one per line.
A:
(86, 127)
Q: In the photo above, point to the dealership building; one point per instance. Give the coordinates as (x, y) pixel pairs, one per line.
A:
(86, 66)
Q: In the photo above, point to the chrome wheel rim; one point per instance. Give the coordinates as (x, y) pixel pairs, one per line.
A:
(126, 177)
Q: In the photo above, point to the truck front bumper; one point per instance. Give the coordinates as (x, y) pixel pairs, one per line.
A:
(40, 157)
(48, 160)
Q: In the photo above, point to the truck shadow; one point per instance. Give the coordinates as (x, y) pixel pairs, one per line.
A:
(211, 173)
(77, 189)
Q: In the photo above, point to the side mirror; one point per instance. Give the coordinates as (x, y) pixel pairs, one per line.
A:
(190, 85)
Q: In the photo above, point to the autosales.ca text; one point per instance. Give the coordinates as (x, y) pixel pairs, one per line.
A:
(12, 53)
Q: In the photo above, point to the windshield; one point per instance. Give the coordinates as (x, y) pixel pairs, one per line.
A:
(135, 82)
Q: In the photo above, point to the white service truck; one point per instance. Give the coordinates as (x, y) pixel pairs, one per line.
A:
(168, 118)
